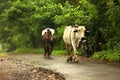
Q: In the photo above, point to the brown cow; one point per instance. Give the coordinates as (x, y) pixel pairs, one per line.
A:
(47, 39)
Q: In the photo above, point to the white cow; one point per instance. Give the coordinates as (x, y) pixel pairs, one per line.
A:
(72, 37)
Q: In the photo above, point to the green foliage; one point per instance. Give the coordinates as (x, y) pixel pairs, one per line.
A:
(29, 50)
(107, 21)
(113, 27)
(2, 55)
(25, 19)
(75, 15)
(38, 51)
(0, 47)
(59, 52)
(110, 55)
(59, 39)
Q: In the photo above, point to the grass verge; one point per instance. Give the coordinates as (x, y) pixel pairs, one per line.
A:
(2, 55)
(109, 55)
(39, 51)
(29, 50)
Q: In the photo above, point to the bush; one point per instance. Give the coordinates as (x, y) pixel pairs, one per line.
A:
(0, 47)
(110, 55)
(59, 43)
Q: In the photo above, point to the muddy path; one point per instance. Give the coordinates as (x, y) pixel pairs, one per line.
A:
(83, 70)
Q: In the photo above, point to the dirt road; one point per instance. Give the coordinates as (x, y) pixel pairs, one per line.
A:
(83, 70)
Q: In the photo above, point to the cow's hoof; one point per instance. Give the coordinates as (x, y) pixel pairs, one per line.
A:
(67, 60)
(71, 58)
(44, 56)
(75, 60)
(48, 57)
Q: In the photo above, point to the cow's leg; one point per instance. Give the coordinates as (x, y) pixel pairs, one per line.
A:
(68, 54)
(69, 51)
(75, 57)
(52, 42)
(44, 51)
(49, 50)
(48, 54)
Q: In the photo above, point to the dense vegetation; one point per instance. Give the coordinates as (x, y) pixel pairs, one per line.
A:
(21, 23)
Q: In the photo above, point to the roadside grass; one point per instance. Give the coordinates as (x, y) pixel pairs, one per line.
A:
(59, 52)
(29, 51)
(38, 51)
(2, 54)
(109, 55)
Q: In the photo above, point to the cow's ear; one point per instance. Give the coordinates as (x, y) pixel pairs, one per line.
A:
(75, 30)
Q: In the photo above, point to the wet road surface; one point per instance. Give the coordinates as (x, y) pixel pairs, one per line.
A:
(72, 71)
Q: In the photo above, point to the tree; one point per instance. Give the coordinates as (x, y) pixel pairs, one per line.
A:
(22, 21)
(107, 21)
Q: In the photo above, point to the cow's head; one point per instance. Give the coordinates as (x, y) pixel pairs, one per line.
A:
(47, 36)
(80, 30)
(50, 37)
(48, 33)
